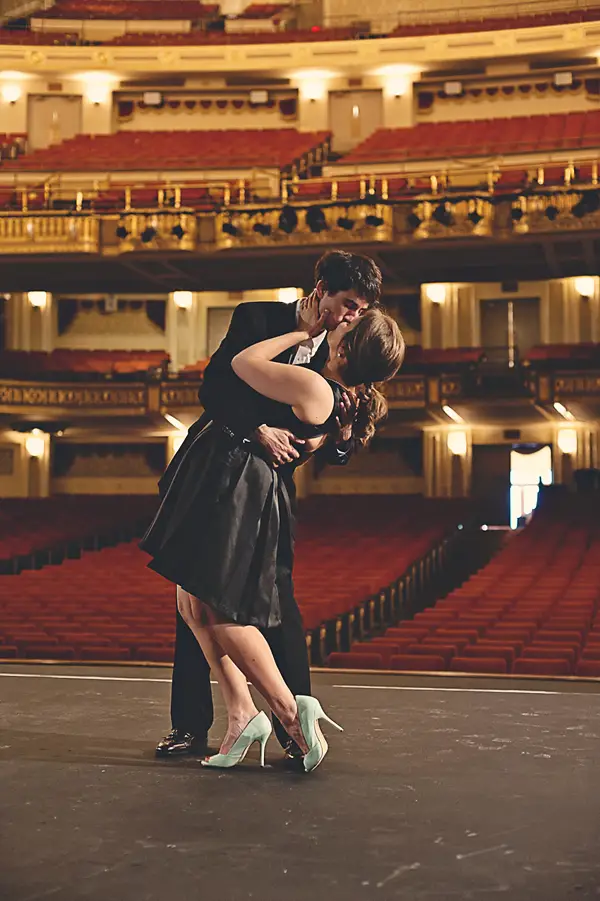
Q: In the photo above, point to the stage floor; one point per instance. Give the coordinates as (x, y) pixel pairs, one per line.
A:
(439, 788)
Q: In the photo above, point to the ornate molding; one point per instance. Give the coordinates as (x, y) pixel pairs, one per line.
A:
(406, 391)
(584, 385)
(30, 395)
(181, 394)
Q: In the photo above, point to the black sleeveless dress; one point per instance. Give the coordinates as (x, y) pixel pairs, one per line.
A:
(224, 512)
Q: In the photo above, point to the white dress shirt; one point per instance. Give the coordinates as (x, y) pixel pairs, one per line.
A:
(306, 351)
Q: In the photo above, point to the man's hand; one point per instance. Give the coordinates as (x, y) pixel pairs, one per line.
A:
(347, 415)
(311, 320)
(279, 444)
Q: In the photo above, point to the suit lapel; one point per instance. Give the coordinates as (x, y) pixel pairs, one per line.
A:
(281, 319)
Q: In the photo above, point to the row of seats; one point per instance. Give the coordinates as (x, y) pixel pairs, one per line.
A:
(533, 610)
(40, 524)
(200, 197)
(498, 23)
(27, 364)
(483, 137)
(218, 149)
(564, 354)
(296, 36)
(189, 10)
(109, 606)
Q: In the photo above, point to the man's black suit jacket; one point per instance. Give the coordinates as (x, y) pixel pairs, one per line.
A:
(229, 400)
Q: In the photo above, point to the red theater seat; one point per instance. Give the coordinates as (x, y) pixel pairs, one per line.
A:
(417, 662)
(479, 665)
(528, 667)
(587, 668)
(339, 660)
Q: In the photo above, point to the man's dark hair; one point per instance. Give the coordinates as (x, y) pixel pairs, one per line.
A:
(341, 271)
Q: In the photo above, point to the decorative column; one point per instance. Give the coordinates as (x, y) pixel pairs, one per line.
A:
(31, 321)
(183, 330)
(440, 315)
(575, 446)
(37, 450)
(447, 462)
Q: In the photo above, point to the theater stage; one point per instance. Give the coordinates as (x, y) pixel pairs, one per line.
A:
(439, 788)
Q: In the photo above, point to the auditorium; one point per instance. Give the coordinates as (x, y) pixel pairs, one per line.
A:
(223, 227)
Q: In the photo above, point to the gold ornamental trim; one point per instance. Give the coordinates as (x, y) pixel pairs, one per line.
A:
(29, 395)
(577, 385)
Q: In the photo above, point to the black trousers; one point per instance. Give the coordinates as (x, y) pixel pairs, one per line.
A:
(191, 694)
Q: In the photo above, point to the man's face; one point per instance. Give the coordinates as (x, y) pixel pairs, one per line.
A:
(345, 306)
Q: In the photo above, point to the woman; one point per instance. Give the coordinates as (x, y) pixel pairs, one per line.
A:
(226, 509)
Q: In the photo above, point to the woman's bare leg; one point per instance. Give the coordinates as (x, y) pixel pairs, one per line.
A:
(247, 650)
(233, 684)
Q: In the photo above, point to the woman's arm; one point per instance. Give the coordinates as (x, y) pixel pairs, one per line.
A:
(305, 391)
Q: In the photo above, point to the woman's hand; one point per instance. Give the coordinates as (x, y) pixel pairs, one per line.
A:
(347, 415)
(311, 320)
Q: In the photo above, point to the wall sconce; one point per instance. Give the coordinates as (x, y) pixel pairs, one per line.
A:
(435, 292)
(457, 443)
(38, 299)
(183, 300)
(566, 440)
(313, 84)
(287, 295)
(585, 285)
(35, 444)
(11, 92)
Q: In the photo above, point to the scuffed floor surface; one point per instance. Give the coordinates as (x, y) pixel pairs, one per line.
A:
(429, 795)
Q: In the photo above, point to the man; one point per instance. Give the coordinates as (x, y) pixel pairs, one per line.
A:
(346, 285)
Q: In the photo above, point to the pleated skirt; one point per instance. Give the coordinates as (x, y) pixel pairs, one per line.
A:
(224, 513)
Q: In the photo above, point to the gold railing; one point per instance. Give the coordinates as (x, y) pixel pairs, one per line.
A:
(55, 233)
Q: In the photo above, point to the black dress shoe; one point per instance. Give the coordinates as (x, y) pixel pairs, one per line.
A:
(293, 758)
(177, 743)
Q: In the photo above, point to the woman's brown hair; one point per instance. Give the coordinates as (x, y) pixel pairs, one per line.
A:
(374, 351)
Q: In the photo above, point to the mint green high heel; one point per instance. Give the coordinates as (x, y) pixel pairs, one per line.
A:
(258, 729)
(309, 714)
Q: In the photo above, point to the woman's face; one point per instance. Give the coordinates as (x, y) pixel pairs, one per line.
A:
(337, 335)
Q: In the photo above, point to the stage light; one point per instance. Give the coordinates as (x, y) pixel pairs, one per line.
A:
(288, 220)
(443, 215)
(435, 292)
(551, 212)
(148, 234)
(374, 221)
(183, 300)
(172, 420)
(585, 285)
(588, 203)
(562, 410)
(346, 223)
(38, 299)
(35, 444)
(178, 231)
(315, 219)
(457, 443)
(566, 440)
(230, 229)
(121, 232)
(262, 228)
(452, 414)
(474, 216)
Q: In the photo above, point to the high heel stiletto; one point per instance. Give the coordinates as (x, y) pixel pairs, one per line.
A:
(309, 714)
(258, 729)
